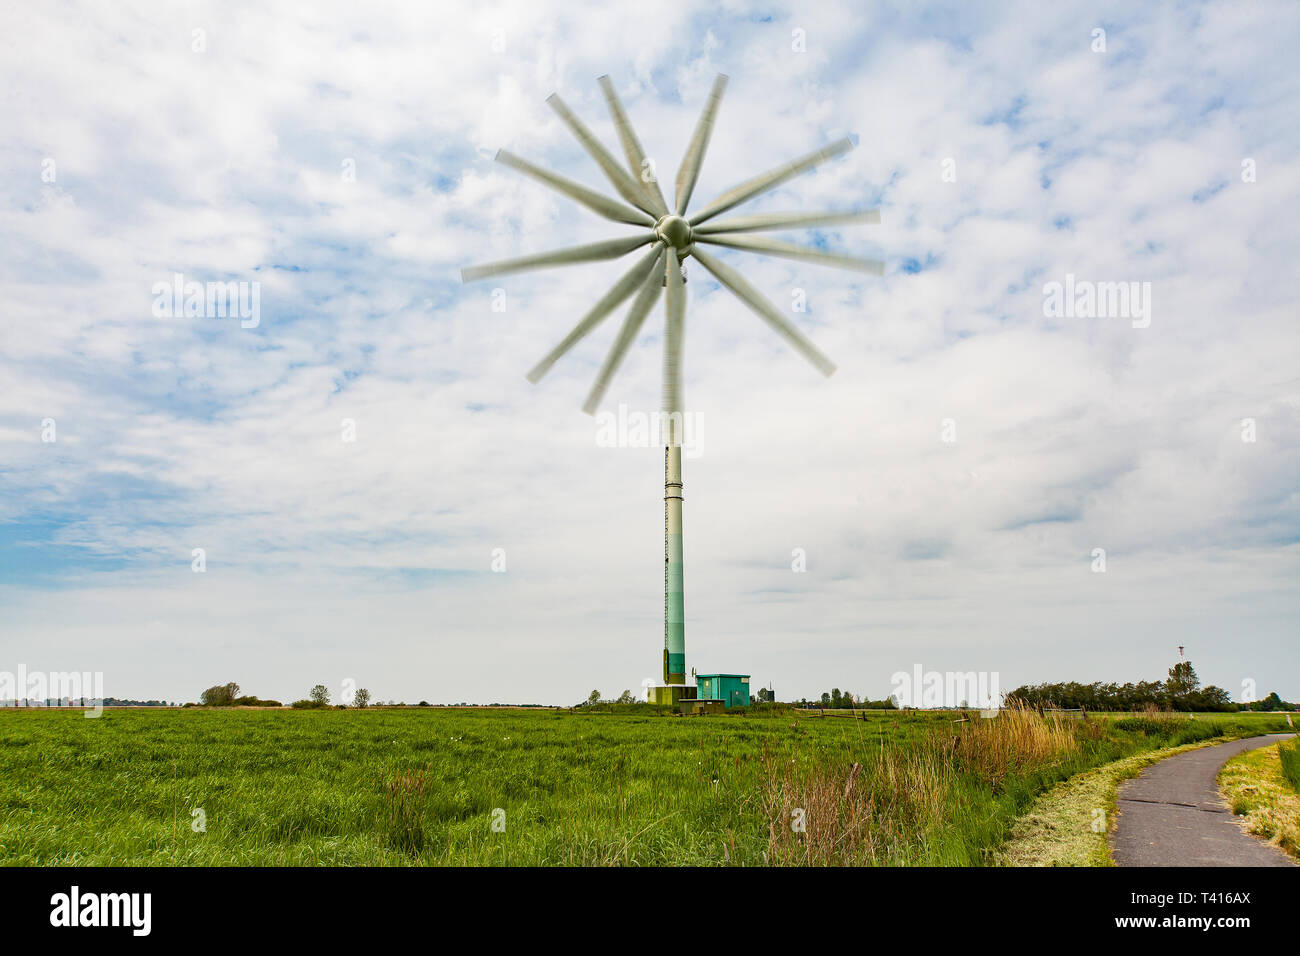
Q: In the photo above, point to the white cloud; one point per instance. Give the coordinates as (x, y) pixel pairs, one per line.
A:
(329, 559)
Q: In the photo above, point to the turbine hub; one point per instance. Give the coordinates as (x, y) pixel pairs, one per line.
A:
(675, 231)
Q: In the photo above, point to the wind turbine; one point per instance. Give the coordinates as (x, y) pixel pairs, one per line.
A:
(673, 236)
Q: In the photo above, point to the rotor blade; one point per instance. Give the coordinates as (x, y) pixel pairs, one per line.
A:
(771, 179)
(609, 208)
(788, 250)
(625, 184)
(621, 289)
(674, 332)
(691, 162)
(765, 310)
(592, 252)
(788, 220)
(636, 158)
(641, 307)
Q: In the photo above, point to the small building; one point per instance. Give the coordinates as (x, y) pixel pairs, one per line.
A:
(731, 689)
(696, 706)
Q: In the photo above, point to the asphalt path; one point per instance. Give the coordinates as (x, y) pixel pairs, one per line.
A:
(1173, 814)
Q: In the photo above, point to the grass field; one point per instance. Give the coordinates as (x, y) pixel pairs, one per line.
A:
(426, 786)
(1258, 790)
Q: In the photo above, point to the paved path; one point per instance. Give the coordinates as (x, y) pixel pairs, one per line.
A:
(1173, 815)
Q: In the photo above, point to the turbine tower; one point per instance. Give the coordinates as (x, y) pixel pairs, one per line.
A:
(673, 237)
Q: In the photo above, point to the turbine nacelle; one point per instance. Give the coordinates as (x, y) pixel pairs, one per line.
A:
(676, 232)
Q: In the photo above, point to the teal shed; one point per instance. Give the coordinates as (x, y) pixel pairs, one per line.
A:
(731, 689)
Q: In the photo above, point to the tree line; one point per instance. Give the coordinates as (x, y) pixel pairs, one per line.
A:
(1181, 690)
(227, 695)
(835, 699)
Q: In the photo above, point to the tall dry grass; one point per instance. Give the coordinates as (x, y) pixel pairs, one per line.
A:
(888, 806)
(1017, 740)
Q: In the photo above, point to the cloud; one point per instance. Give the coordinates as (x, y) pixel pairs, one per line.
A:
(370, 559)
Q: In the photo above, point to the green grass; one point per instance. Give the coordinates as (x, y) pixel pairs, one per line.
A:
(1257, 790)
(420, 786)
(1289, 753)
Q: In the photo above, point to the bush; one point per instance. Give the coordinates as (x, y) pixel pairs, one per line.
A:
(227, 695)
(222, 695)
(308, 705)
(1152, 725)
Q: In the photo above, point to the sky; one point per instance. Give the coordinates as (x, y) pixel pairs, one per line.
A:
(987, 484)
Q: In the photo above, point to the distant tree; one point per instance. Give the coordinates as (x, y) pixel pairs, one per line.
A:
(1271, 702)
(320, 695)
(826, 700)
(593, 698)
(1213, 698)
(361, 698)
(222, 695)
(1182, 682)
(626, 698)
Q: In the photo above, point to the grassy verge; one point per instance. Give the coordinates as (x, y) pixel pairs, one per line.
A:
(1069, 825)
(1258, 791)
(954, 800)
(1289, 753)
